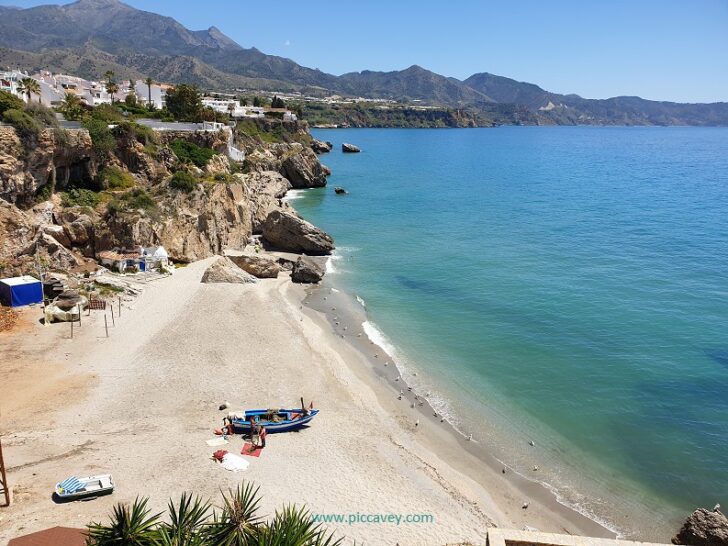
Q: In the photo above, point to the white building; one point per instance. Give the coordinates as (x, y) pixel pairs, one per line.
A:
(224, 107)
(152, 257)
(140, 259)
(159, 94)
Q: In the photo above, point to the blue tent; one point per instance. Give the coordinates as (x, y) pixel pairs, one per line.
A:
(19, 291)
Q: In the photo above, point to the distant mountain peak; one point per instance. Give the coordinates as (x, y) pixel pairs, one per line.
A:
(94, 4)
(222, 40)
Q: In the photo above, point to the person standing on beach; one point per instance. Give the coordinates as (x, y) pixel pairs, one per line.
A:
(262, 436)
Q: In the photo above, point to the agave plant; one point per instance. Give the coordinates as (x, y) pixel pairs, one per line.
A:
(238, 523)
(186, 521)
(294, 526)
(129, 526)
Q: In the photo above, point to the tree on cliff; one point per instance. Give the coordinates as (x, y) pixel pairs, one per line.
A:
(72, 107)
(184, 102)
(112, 88)
(29, 86)
(277, 102)
(149, 82)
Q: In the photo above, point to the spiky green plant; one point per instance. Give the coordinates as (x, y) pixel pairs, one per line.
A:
(129, 526)
(238, 522)
(186, 521)
(294, 526)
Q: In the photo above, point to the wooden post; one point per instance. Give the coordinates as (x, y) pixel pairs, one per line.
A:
(79, 314)
(106, 326)
(72, 329)
(4, 487)
(113, 322)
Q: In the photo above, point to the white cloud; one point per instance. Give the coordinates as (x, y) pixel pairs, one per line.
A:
(287, 43)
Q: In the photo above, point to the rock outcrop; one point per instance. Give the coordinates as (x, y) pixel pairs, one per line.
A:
(267, 189)
(307, 270)
(218, 164)
(225, 271)
(304, 170)
(286, 231)
(349, 148)
(191, 226)
(704, 528)
(57, 158)
(296, 162)
(321, 147)
(258, 265)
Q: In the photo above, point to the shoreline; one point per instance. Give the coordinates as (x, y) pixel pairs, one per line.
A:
(141, 401)
(338, 311)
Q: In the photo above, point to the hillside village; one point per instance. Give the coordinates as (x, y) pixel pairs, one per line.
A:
(52, 90)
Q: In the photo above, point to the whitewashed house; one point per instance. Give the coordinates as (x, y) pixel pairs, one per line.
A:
(153, 257)
(139, 260)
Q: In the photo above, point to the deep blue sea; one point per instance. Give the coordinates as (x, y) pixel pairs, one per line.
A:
(563, 284)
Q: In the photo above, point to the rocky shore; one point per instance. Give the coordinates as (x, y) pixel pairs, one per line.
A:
(223, 209)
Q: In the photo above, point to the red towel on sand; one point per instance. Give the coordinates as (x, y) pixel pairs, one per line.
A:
(250, 450)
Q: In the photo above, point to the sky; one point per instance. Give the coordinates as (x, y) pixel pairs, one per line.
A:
(657, 49)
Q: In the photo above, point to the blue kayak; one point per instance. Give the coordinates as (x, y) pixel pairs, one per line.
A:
(281, 420)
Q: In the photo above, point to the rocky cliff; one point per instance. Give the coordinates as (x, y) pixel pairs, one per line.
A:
(58, 157)
(221, 211)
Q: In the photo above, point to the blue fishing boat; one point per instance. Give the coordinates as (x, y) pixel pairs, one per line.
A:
(274, 420)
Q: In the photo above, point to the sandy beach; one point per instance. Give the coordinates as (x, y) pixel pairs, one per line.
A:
(142, 402)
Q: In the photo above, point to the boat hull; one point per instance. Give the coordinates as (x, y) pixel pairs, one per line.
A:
(242, 426)
(95, 486)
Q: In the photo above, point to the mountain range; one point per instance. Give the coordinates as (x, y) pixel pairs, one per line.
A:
(89, 37)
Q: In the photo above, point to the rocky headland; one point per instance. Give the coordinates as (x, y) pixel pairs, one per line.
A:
(63, 201)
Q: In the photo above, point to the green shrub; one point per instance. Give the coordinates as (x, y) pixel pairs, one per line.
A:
(136, 199)
(130, 130)
(108, 113)
(223, 177)
(113, 178)
(44, 115)
(44, 192)
(8, 101)
(80, 198)
(27, 127)
(188, 152)
(183, 181)
(101, 136)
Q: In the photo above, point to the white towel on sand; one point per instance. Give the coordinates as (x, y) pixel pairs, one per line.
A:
(234, 463)
(217, 442)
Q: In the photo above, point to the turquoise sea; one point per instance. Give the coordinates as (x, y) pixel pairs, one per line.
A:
(567, 285)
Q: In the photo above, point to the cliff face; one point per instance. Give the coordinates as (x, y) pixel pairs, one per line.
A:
(223, 211)
(58, 156)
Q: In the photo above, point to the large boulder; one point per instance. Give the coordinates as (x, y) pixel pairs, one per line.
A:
(225, 271)
(287, 231)
(349, 148)
(321, 147)
(307, 270)
(259, 265)
(304, 170)
(704, 528)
